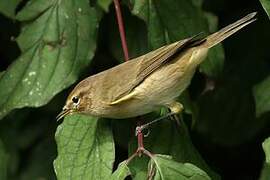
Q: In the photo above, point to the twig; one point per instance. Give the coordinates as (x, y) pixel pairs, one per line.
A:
(140, 150)
(121, 28)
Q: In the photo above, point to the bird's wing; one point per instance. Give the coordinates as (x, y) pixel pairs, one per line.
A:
(152, 61)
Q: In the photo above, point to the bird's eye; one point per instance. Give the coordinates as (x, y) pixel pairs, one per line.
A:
(75, 99)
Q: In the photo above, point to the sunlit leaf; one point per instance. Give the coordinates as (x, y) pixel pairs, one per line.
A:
(266, 148)
(265, 174)
(85, 149)
(121, 172)
(168, 169)
(57, 43)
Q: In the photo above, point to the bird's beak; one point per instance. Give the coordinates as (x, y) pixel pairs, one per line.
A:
(63, 113)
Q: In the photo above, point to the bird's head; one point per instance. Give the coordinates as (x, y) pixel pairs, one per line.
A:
(78, 101)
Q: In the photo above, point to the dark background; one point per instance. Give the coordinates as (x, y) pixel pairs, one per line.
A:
(231, 143)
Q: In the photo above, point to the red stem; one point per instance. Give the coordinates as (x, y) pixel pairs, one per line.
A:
(120, 22)
(140, 139)
(121, 28)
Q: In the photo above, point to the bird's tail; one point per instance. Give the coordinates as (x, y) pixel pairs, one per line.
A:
(227, 31)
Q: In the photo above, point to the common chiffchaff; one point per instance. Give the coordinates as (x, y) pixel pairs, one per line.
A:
(148, 82)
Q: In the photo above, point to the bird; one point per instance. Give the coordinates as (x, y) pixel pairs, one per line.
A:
(148, 82)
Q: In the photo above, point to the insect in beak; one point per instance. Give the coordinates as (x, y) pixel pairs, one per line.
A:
(63, 113)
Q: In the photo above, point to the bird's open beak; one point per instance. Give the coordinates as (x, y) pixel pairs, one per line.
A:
(63, 113)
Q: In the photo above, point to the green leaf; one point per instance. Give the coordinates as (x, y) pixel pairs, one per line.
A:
(138, 166)
(4, 162)
(265, 174)
(104, 4)
(172, 20)
(266, 148)
(29, 130)
(121, 172)
(213, 65)
(57, 43)
(266, 6)
(168, 169)
(1, 73)
(8, 7)
(85, 149)
(262, 96)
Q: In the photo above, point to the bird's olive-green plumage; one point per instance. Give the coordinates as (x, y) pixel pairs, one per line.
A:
(148, 82)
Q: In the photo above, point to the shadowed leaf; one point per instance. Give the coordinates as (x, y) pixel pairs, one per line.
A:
(36, 169)
(57, 42)
(8, 7)
(262, 97)
(4, 162)
(266, 6)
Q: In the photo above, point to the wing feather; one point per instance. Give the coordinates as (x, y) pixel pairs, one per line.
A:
(152, 61)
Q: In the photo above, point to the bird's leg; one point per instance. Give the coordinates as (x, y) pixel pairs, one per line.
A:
(175, 108)
(144, 126)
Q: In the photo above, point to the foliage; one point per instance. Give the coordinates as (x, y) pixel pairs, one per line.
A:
(56, 44)
(266, 6)
(85, 148)
(168, 169)
(4, 161)
(122, 172)
(262, 97)
(8, 7)
(265, 174)
(59, 42)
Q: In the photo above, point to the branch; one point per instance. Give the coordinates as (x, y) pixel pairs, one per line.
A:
(121, 28)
